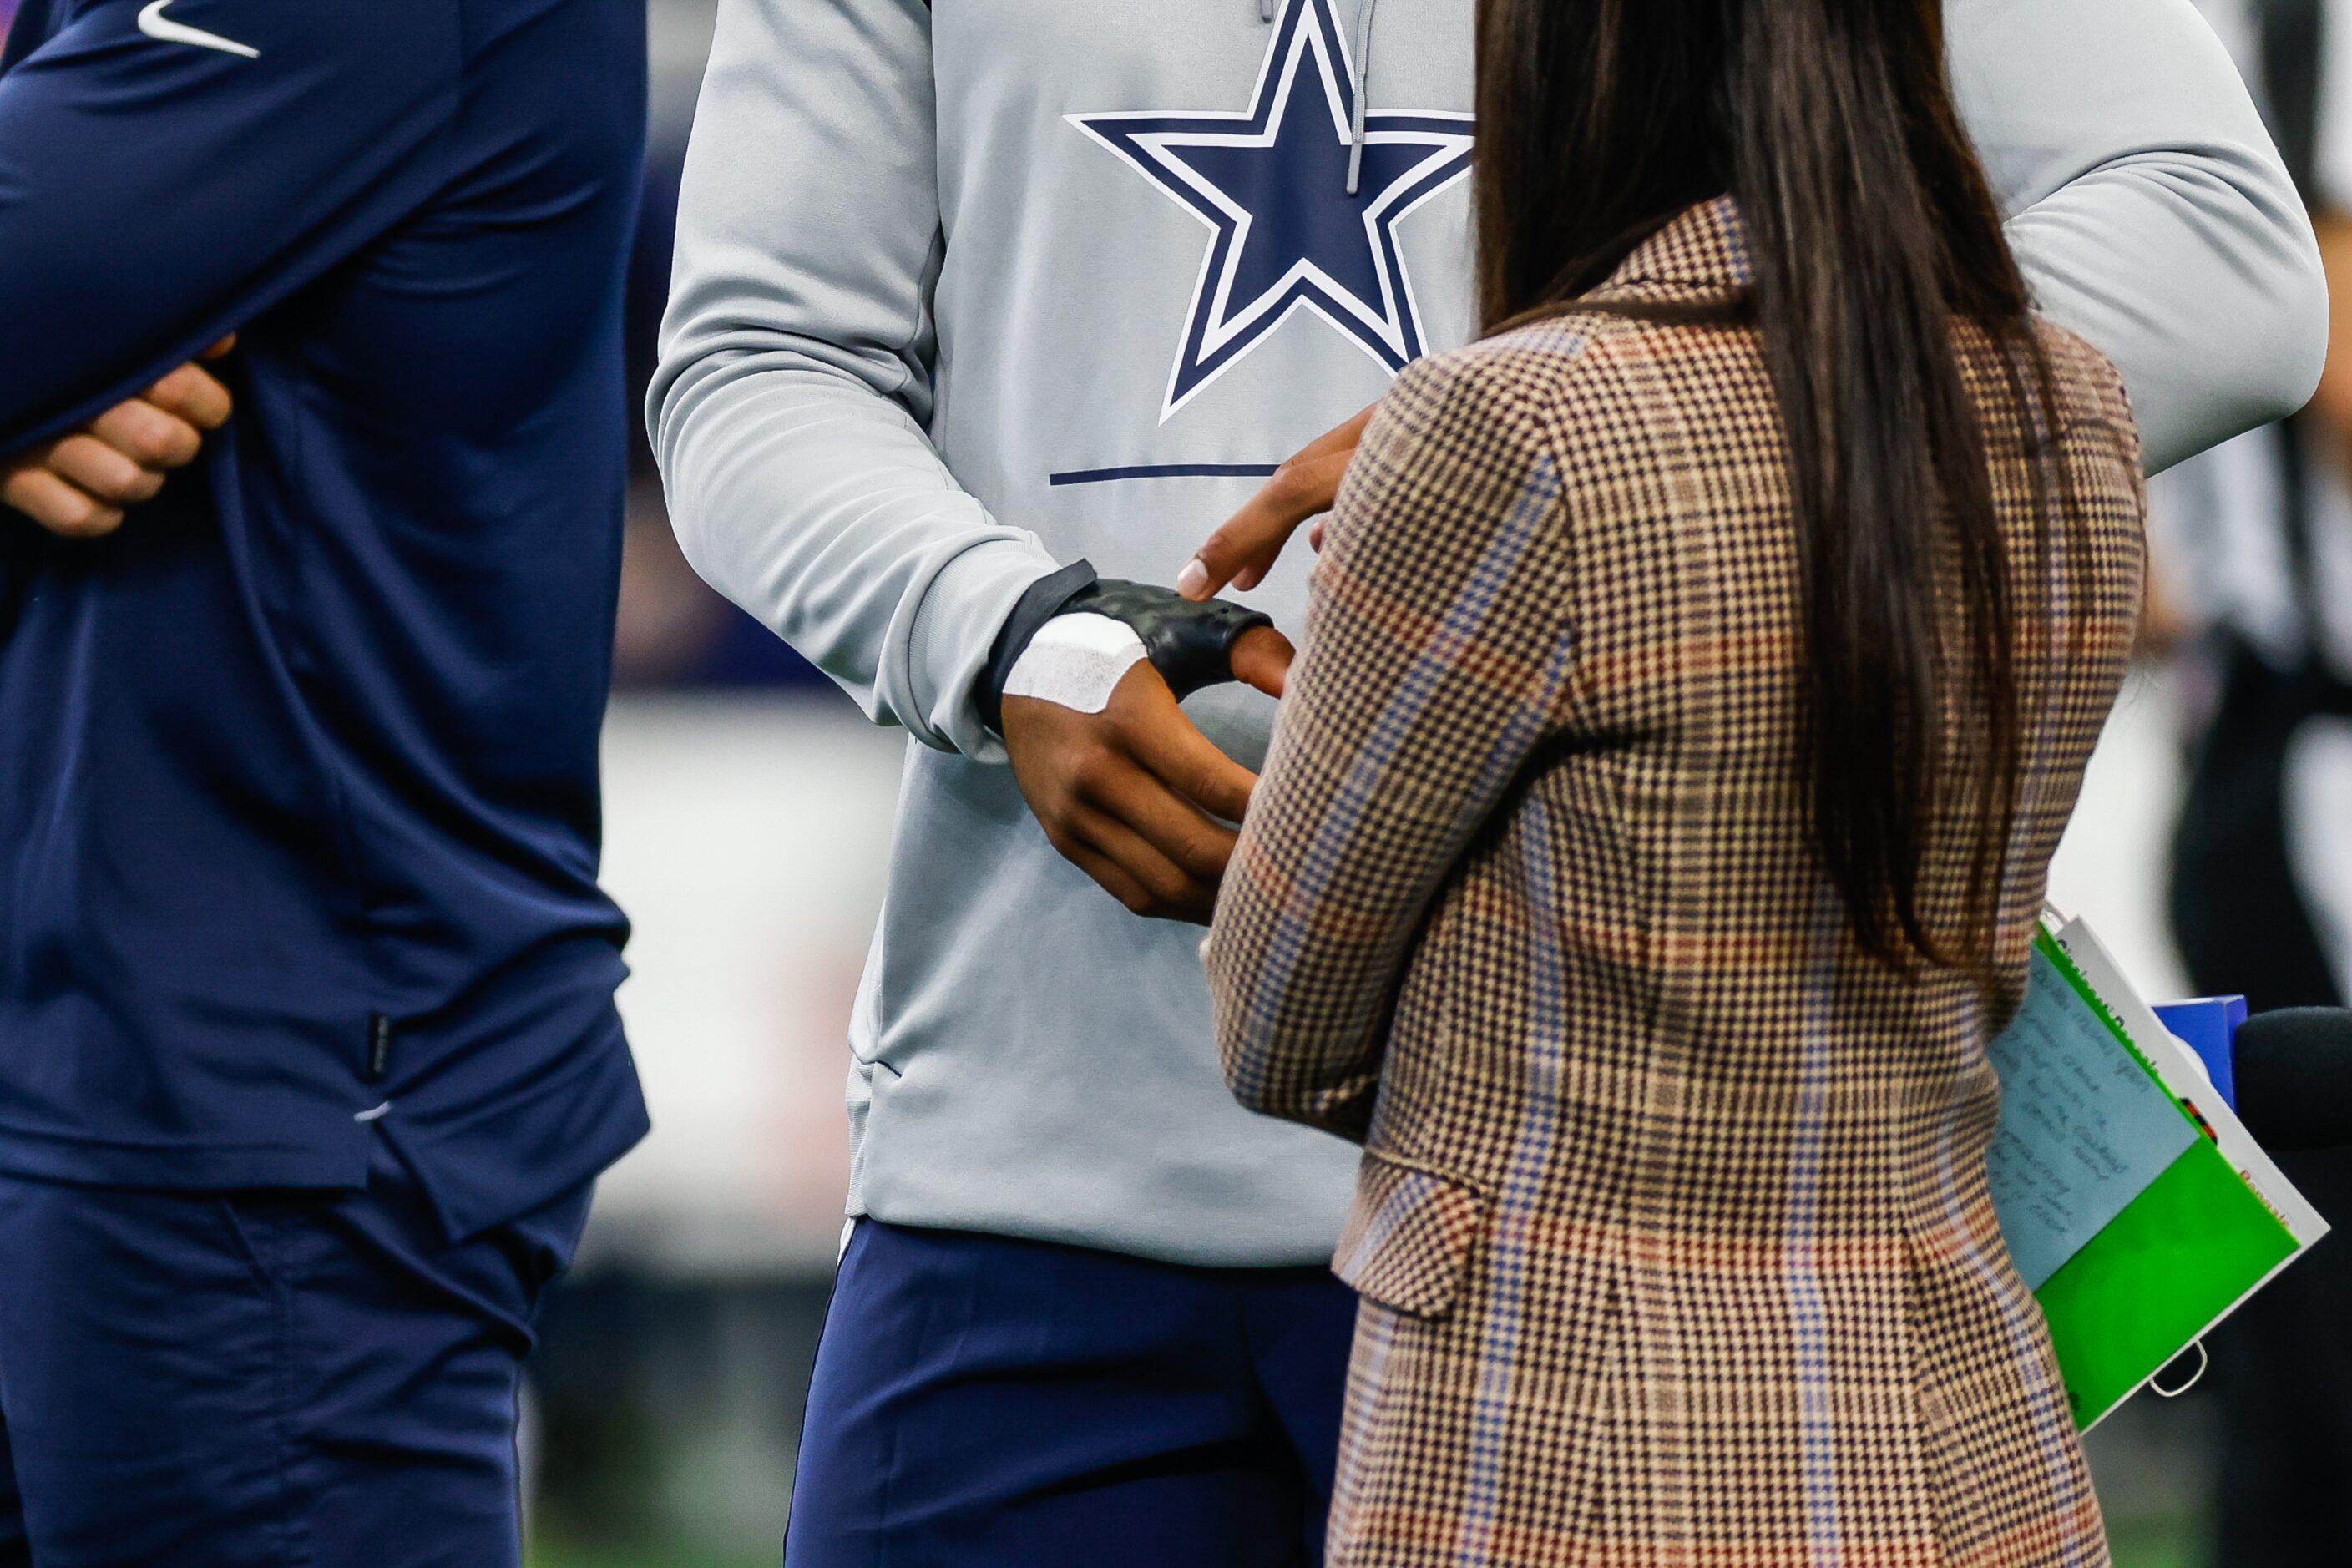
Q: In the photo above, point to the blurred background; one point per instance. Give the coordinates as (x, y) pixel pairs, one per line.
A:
(747, 822)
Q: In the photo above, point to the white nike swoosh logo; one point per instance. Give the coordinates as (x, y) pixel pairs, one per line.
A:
(152, 22)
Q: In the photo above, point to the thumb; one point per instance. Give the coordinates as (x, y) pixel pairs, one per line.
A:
(1262, 660)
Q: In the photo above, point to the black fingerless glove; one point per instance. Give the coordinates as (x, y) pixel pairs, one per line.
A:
(1191, 644)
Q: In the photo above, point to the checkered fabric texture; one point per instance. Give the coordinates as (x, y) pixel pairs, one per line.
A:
(1673, 1232)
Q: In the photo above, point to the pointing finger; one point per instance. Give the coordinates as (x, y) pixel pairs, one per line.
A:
(1244, 550)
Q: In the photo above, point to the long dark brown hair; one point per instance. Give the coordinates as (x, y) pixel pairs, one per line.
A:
(1869, 229)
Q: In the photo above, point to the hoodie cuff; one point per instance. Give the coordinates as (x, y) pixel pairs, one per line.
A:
(1045, 599)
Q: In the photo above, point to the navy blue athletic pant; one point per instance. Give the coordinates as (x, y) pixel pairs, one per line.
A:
(982, 1401)
(263, 1379)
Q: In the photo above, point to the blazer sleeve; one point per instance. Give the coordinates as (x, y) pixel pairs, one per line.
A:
(1435, 654)
(2148, 205)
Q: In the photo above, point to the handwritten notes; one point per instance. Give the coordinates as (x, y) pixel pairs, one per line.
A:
(2083, 1127)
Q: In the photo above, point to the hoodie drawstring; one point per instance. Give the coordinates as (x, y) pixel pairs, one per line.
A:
(1363, 85)
(1363, 95)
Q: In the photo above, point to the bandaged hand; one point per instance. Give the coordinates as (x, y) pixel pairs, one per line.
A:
(1126, 786)
(1107, 627)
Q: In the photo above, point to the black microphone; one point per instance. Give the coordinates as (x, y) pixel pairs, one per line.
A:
(2294, 1078)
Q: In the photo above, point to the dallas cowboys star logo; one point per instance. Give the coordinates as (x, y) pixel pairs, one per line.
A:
(1271, 183)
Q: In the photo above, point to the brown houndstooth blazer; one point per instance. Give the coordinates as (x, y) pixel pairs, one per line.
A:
(1673, 1231)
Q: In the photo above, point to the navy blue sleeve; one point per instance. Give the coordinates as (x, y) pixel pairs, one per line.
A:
(170, 169)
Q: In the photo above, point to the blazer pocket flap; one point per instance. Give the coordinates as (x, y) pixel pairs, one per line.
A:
(1409, 1237)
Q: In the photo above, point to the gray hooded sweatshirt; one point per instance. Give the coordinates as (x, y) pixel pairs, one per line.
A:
(968, 290)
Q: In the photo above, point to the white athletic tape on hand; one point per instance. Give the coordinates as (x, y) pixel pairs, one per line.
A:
(1076, 661)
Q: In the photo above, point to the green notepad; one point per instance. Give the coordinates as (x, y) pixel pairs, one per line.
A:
(2136, 1205)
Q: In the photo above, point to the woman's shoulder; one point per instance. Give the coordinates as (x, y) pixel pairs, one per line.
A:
(1545, 354)
(1534, 385)
(2083, 380)
(2087, 379)
(1509, 367)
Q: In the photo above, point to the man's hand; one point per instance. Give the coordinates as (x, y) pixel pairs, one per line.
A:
(78, 487)
(1244, 550)
(1133, 796)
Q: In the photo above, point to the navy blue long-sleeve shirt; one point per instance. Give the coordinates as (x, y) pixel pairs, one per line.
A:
(298, 814)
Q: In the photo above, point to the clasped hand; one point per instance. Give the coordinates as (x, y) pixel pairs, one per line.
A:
(78, 485)
(1136, 797)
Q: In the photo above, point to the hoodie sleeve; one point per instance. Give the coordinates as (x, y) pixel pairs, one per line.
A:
(153, 199)
(795, 386)
(2148, 206)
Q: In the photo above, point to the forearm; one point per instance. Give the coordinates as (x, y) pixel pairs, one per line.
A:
(2222, 331)
(823, 511)
(57, 377)
(151, 203)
